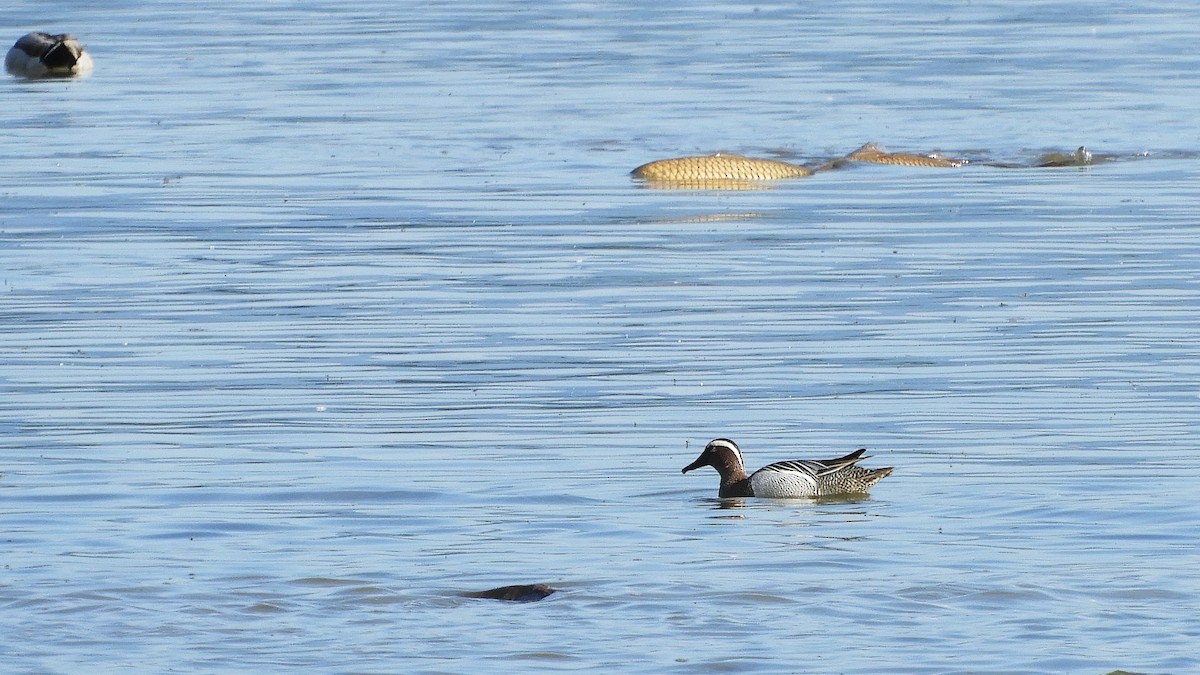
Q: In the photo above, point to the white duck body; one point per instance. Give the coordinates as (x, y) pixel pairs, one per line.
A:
(781, 480)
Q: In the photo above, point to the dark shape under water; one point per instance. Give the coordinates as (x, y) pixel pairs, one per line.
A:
(517, 593)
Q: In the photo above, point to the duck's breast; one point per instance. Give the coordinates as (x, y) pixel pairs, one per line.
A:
(771, 482)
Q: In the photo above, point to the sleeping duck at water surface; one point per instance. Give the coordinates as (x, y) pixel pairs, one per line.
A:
(39, 55)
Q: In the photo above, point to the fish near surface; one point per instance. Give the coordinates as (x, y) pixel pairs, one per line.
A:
(874, 154)
(717, 167)
(1081, 157)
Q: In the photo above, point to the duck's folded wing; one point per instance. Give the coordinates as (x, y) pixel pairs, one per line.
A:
(808, 467)
(817, 467)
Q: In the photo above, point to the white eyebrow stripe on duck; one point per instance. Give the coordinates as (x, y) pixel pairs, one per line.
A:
(731, 446)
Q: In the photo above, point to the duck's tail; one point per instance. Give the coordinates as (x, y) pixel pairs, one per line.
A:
(873, 476)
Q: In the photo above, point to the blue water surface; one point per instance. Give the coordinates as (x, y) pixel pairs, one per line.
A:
(317, 315)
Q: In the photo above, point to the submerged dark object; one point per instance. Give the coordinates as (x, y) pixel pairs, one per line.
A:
(728, 171)
(517, 593)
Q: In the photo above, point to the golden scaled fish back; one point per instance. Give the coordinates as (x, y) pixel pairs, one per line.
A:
(720, 166)
(874, 154)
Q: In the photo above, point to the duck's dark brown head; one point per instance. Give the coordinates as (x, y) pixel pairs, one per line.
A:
(723, 455)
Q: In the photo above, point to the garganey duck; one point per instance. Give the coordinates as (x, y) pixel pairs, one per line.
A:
(44, 55)
(795, 478)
